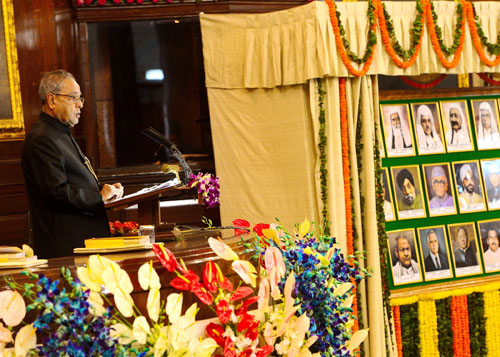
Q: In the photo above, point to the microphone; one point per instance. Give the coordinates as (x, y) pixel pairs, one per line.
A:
(161, 139)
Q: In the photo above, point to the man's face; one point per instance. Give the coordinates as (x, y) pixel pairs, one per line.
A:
(440, 185)
(67, 110)
(468, 182)
(395, 121)
(455, 119)
(494, 178)
(403, 252)
(408, 192)
(493, 240)
(433, 243)
(485, 118)
(425, 121)
(462, 239)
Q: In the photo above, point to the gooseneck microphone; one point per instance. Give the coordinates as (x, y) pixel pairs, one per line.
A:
(161, 139)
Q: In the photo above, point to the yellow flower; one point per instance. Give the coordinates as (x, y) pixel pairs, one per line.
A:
(88, 279)
(12, 307)
(222, 250)
(25, 340)
(246, 271)
(96, 302)
(148, 277)
(140, 330)
(174, 307)
(304, 228)
(122, 333)
(124, 303)
(153, 304)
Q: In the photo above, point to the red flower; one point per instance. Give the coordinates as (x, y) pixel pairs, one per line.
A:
(101, 2)
(253, 331)
(88, 2)
(264, 351)
(215, 331)
(244, 307)
(166, 258)
(203, 294)
(229, 350)
(128, 226)
(186, 281)
(79, 2)
(242, 292)
(259, 227)
(246, 353)
(223, 311)
(245, 322)
(210, 276)
(240, 223)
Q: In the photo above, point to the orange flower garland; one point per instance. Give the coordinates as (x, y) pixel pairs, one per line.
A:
(397, 329)
(387, 40)
(476, 40)
(340, 46)
(347, 186)
(435, 41)
(460, 326)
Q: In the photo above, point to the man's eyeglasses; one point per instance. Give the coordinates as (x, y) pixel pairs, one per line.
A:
(439, 182)
(75, 99)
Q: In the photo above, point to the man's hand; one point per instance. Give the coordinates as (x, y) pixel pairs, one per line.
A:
(111, 192)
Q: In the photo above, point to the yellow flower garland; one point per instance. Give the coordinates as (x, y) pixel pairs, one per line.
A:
(428, 328)
(491, 308)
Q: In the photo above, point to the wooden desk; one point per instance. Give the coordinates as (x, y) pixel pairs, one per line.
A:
(195, 252)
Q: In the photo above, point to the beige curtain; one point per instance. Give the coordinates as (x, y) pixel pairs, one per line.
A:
(260, 74)
(292, 46)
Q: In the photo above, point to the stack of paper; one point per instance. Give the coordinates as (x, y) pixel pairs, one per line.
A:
(11, 257)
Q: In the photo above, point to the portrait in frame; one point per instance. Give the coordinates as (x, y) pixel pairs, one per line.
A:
(438, 186)
(405, 267)
(408, 189)
(464, 247)
(469, 186)
(455, 118)
(428, 131)
(491, 179)
(489, 233)
(486, 124)
(11, 112)
(434, 252)
(388, 200)
(397, 130)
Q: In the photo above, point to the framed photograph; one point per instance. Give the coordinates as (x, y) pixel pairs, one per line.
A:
(388, 201)
(434, 253)
(397, 130)
(428, 131)
(404, 259)
(491, 178)
(488, 231)
(409, 194)
(456, 121)
(486, 124)
(441, 196)
(11, 112)
(464, 247)
(469, 186)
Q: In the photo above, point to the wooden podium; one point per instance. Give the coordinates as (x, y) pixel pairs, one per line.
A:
(148, 202)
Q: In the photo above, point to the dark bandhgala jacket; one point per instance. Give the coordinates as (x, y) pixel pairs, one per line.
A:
(64, 195)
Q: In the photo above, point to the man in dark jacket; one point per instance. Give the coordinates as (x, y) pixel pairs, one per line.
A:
(66, 199)
(436, 260)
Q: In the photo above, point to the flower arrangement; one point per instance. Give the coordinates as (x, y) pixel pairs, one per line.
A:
(323, 286)
(118, 228)
(208, 188)
(285, 316)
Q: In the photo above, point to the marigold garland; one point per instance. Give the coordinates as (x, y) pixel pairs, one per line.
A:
(476, 40)
(491, 309)
(392, 45)
(459, 29)
(489, 80)
(340, 44)
(397, 329)
(428, 328)
(347, 186)
(416, 84)
(460, 323)
(435, 40)
(494, 49)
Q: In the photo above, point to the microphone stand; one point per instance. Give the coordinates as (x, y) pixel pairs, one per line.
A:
(172, 150)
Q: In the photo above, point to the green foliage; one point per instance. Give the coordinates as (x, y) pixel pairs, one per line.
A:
(445, 332)
(477, 323)
(410, 329)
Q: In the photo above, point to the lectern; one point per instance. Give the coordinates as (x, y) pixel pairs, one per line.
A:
(148, 202)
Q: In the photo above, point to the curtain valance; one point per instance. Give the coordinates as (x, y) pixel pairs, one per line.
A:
(292, 46)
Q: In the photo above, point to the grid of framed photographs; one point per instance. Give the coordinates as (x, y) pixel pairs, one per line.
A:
(441, 184)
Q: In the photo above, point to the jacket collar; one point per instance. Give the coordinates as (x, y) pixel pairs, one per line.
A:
(54, 122)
